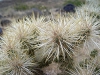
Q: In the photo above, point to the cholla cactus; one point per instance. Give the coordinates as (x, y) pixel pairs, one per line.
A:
(80, 71)
(91, 7)
(15, 60)
(22, 28)
(55, 38)
(88, 67)
(16, 64)
(88, 31)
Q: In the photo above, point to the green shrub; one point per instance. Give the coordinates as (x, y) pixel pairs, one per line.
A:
(21, 7)
(74, 2)
(40, 7)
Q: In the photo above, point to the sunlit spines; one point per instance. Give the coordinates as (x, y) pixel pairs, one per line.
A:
(87, 31)
(86, 67)
(91, 7)
(54, 37)
(17, 64)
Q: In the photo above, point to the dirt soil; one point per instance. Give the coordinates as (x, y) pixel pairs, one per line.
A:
(7, 6)
(7, 3)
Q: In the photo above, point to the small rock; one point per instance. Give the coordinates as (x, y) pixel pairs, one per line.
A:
(29, 14)
(1, 16)
(34, 11)
(69, 8)
(5, 22)
(37, 12)
(1, 32)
